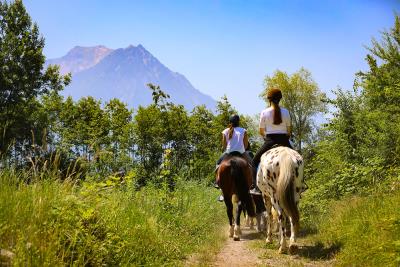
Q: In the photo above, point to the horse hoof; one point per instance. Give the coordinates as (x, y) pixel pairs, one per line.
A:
(293, 249)
(236, 238)
(282, 250)
(231, 231)
(268, 240)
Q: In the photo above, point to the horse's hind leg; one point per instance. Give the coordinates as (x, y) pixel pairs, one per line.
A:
(282, 232)
(229, 212)
(269, 221)
(238, 209)
(293, 233)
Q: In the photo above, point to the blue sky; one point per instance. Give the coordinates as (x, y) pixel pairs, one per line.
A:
(226, 47)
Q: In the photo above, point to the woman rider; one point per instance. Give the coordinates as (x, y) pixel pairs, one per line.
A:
(274, 127)
(234, 140)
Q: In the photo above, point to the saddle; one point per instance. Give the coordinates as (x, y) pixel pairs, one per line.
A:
(243, 156)
(235, 153)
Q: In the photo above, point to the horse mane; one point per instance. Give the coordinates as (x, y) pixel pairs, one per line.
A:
(286, 187)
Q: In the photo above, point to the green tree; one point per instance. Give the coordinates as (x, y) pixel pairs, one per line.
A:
(176, 135)
(302, 97)
(205, 147)
(92, 127)
(148, 140)
(22, 78)
(360, 146)
(380, 88)
(120, 139)
(120, 119)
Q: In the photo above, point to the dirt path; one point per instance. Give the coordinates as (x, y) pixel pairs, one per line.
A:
(237, 253)
(251, 250)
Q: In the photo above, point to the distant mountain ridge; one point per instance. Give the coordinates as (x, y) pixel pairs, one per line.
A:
(80, 58)
(124, 73)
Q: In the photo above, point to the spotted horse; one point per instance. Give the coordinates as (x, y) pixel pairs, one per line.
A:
(280, 179)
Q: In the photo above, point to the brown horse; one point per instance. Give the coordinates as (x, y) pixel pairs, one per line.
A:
(234, 177)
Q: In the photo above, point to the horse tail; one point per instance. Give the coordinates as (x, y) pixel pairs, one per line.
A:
(242, 187)
(285, 187)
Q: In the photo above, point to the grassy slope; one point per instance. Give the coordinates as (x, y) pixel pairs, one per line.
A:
(366, 229)
(52, 223)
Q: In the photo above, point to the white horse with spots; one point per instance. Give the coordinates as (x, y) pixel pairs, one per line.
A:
(280, 179)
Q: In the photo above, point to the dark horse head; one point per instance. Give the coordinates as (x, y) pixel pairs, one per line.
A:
(234, 178)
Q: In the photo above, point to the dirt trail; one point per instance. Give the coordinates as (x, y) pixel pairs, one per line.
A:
(237, 253)
(251, 250)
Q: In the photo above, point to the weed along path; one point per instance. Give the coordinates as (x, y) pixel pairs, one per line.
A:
(251, 250)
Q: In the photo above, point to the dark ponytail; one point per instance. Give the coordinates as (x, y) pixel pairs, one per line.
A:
(277, 112)
(274, 95)
(230, 133)
(233, 122)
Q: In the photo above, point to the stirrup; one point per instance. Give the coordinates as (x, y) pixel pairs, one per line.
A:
(255, 191)
(216, 185)
(220, 198)
(216, 168)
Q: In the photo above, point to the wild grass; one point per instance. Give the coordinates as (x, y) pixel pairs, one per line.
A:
(365, 229)
(53, 223)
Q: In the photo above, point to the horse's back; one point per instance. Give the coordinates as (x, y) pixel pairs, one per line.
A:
(278, 160)
(272, 157)
(231, 161)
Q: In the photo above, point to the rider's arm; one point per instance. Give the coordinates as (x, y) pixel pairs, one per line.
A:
(289, 130)
(288, 123)
(262, 132)
(245, 140)
(223, 143)
(262, 125)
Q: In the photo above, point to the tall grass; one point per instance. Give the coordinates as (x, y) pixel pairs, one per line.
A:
(366, 229)
(52, 223)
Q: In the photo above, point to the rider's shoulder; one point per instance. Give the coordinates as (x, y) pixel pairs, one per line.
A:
(284, 110)
(267, 110)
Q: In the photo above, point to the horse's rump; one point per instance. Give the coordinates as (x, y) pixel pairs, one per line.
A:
(234, 177)
(281, 171)
(280, 177)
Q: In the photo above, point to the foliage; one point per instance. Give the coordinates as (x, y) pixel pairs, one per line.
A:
(367, 230)
(357, 155)
(105, 223)
(134, 177)
(359, 144)
(22, 80)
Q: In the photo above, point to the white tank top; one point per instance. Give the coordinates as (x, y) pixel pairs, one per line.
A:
(267, 121)
(236, 142)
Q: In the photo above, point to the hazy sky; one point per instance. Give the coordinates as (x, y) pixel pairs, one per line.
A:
(226, 47)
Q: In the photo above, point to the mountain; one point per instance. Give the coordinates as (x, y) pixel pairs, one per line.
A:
(124, 73)
(80, 58)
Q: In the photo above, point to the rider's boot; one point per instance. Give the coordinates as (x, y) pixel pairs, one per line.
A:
(255, 190)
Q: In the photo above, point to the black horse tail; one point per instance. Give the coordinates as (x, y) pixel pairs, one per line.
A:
(242, 188)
